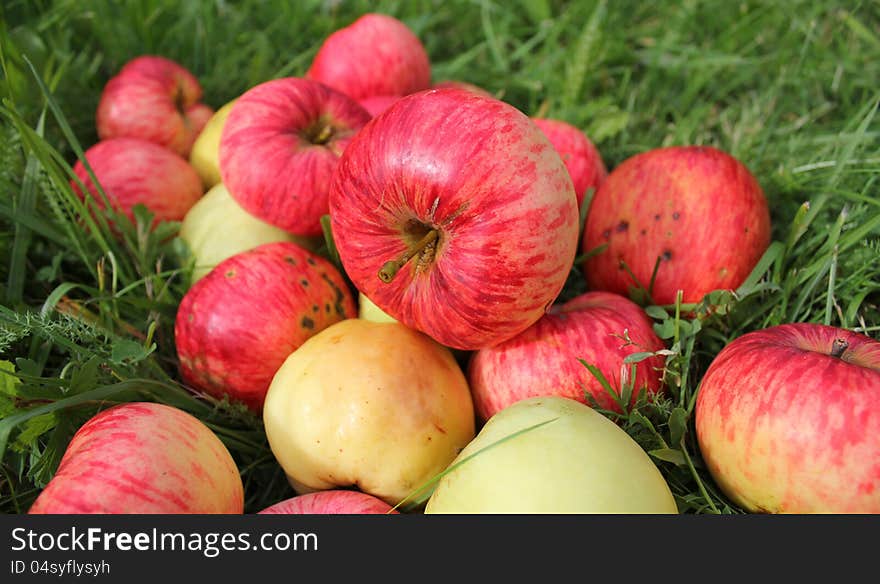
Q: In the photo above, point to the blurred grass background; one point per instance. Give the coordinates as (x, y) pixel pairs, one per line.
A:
(791, 88)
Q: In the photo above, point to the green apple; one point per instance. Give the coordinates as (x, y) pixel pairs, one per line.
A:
(205, 153)
(378, 406)
(369, 311)
(217, 227)
(551, 455)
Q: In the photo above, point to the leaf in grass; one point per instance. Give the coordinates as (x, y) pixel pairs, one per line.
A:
(677, 425)
(665, 329)
(126, 350)
(32, 430)
(669, 455)
(638, 357)
(8, 381)
(656, 312)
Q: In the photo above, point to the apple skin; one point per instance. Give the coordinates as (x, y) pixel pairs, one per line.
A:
(785, 427)
(377, 104)
(581, 462)
(377, 54)
(133, 171)
(332, 502)
(205, 153)
(216, 228)
(236, 326)
(456, 84)
(143, 457)
(480, 174)
(375, 405)
(273, 158)
(580, 155)
(544, 358)
(368, 310)
(696, 209)
(156, 99)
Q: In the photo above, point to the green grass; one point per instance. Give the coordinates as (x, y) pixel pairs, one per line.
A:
(788, 87)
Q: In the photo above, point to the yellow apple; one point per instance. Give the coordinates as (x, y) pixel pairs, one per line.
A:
(217, 227)
(369, 311)
(578, 461)
(205, 153)
(377, 406)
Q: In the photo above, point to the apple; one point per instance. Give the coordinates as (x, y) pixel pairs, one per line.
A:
(236, 326)
(377, 104)
(456, 84)
(377, 54)
(156, 99)
(694, 212)
(133, 171)
(453, 213)
(143, 457)
(788, 420)
(551, 455)
(369, 311)
(377, 406)
(205, 153)
(216, 228)
(279, 147)
(599, 327)
(581, 157)
(332, 502)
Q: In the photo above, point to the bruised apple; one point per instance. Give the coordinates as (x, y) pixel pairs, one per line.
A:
(143, 457)
(377, 406)
(332, 502)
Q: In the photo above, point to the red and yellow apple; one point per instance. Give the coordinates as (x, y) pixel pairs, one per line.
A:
(694, 212)
(788, 420)
(205, 153)
(236, 326)
(453, 213)
(377, 406)
(545, 359)
(332, 502)
(143, 457)
(580, 155)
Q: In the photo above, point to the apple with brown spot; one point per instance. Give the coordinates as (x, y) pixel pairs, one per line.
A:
(695, 213)
(332, 502)
(788, 420)
(143, 457)
(236, 326)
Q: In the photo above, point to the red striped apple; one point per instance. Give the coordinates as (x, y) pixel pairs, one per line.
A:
(237, 325)
(453, 213)
(332, 502)
(788, 420)
(156, 99)
(377, 104)
(378, 406)
(143, 457)
(377, 54)
(694, 212)
(599, 327)
(581, 157)
(132, 171)
(279, 147)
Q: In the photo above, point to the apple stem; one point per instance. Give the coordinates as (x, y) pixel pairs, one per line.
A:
(324, 135)
(390, 268)
(838, 347)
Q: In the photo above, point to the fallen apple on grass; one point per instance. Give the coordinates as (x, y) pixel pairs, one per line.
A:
(217, 228)
(375, 55)
(332, 502)
(600, 328)
(205, 153)
(155, 99)
(236, 326)
(376, 406)
(551, 455)
(580, 155)
(133, 171)
(143, 457)
(788, 420)
(279, 147)
(689, 218)
(453, 213)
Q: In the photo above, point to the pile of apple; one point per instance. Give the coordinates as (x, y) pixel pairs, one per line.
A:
(435, 355)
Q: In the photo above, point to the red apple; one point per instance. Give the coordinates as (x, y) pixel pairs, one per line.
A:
(375, 55)
(788, 420)
(156, 99)
(581, 157)
(332, 502)
(454, 215)
(143, 457)
(694, 211)
(279, 147)
(377, 104)
(237, 325)
(456, 84)
(599, 327)
(133, 171)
